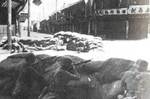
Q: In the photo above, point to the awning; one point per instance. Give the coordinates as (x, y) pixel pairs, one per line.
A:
(15, 3)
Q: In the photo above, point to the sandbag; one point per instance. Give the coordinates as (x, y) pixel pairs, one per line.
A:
(61, 79)
(91, 80)
(10, 68)
(90, 67)
(136, 84)
(83, 81)
(112, 69)
(111, 90)
(85, 66)
(87, 87)
(10, 63)
(77, 93)
(55, 72)
(30, 57)
(94, 90)
(143, 87)
(79, 88)
(14, 63)
(75, 59)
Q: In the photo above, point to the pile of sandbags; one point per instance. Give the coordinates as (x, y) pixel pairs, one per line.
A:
(113, 79)
(10, 69)
(79, 42)
(29, 76)
(43, 42)
(40, 44)
(59, 41)
(25, 44)
(16, 45)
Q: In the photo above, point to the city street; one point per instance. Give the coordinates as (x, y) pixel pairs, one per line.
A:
(128, 49)
(74, 49)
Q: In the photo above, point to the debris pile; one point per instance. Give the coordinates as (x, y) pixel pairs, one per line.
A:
(38, 44)
(79, 42)
(29, 76)
(26, 44)
(59, 41)
(16, 45)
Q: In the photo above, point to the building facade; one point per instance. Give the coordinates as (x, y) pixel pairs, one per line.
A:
(123, 19)
(110, 19)
(17, 6)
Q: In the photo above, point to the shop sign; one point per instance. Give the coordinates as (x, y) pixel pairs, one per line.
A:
(139, 9)
(23, 17)
(133, 9)
(121, 11)
(99, 12)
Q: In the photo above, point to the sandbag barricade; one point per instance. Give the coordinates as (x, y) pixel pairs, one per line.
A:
(29, 76)
(59, 41)
(79, 42)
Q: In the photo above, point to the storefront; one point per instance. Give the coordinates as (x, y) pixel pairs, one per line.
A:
(123, 23)
(138, 17)
(17, 6)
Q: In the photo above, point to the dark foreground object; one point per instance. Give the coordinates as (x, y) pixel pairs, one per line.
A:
(29, 76)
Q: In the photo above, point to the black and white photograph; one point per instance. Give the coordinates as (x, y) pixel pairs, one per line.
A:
(74, 49)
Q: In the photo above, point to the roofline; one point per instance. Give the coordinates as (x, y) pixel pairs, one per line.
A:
(69, 5)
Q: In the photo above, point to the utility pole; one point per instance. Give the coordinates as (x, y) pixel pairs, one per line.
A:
(127, 29)
(86, 17)
(19, 27)
(89, 27)
(9, 24)
(56, 9)
(28, 18)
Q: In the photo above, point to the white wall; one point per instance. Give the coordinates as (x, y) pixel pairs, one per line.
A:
(47, 8)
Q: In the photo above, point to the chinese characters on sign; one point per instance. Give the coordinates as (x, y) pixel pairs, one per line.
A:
(139, 9)
(133, 9)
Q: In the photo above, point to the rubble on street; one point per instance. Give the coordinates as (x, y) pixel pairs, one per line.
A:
(59, 41)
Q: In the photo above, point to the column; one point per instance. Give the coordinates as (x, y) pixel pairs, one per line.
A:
(9, 29)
